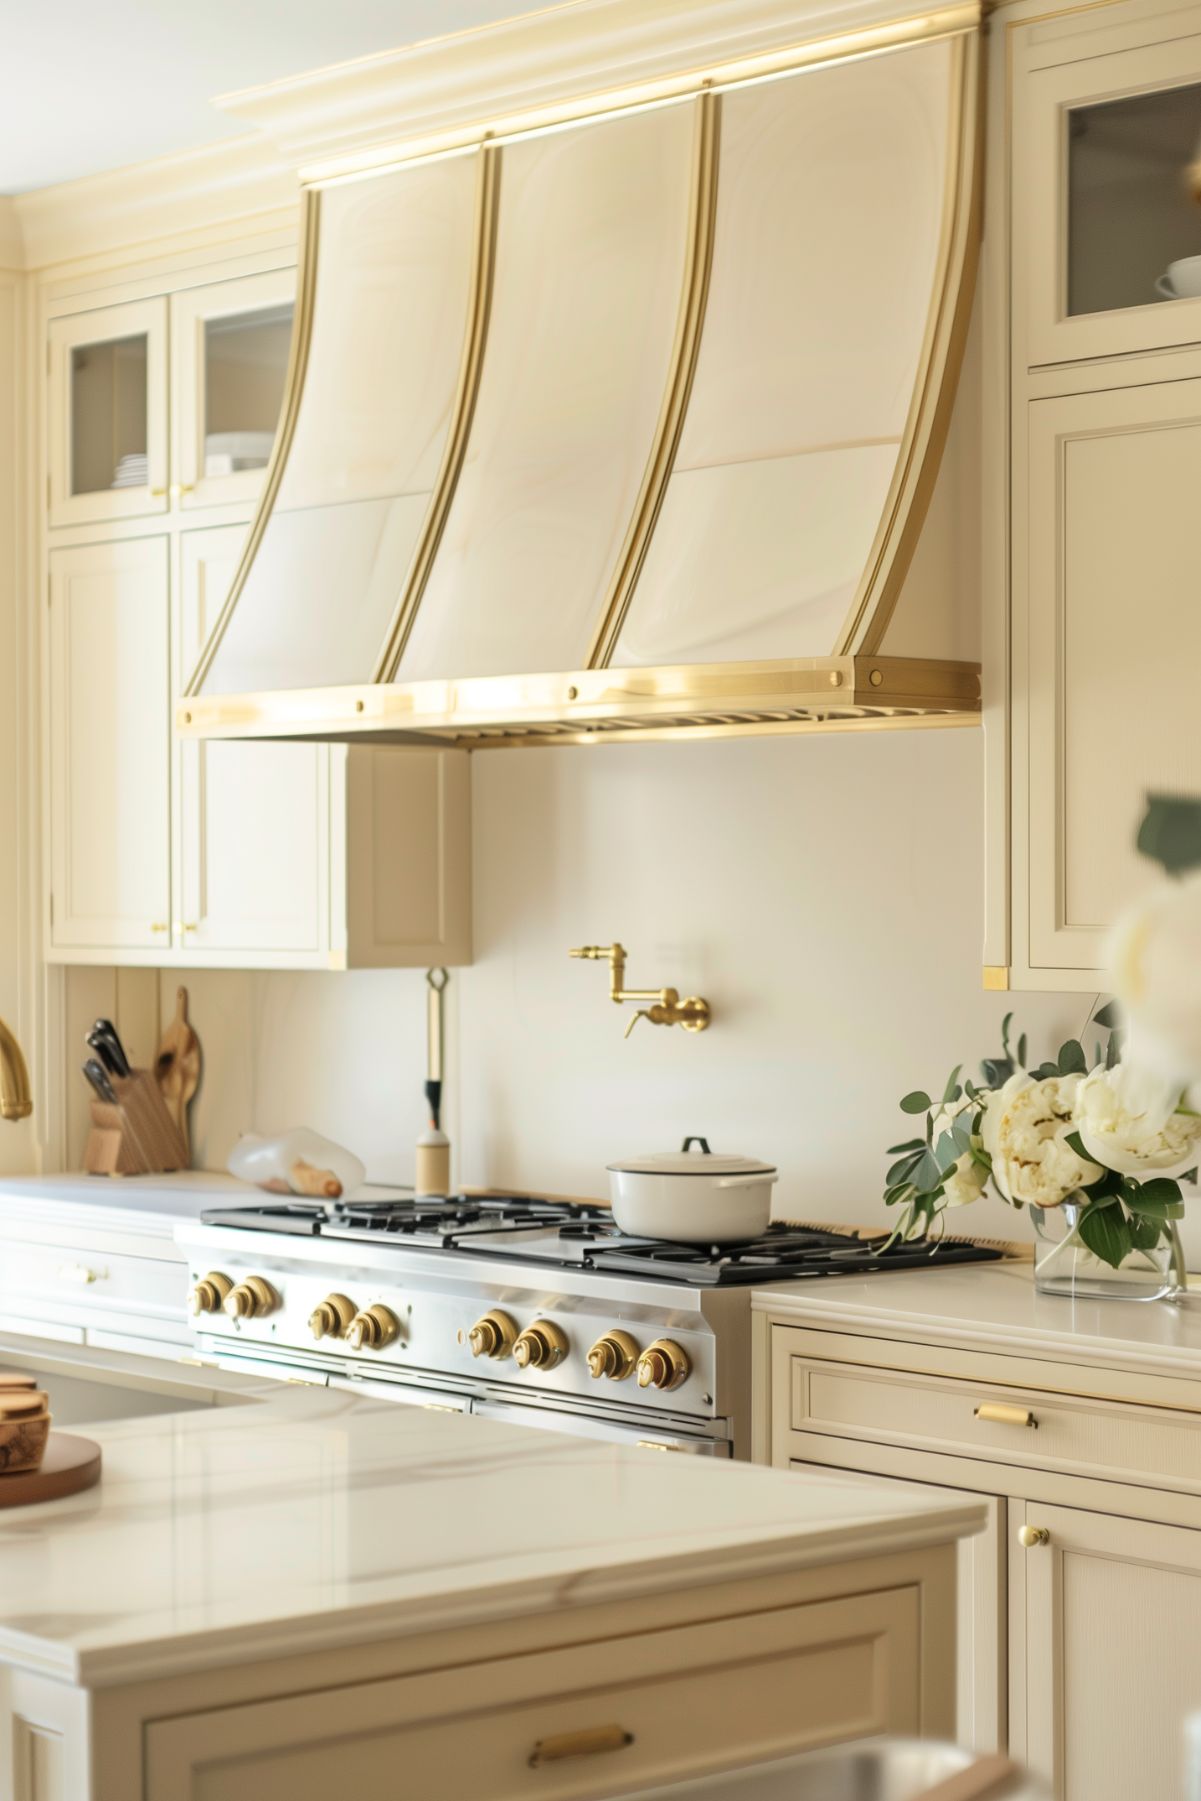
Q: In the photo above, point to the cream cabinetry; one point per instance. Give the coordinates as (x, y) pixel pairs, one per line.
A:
(1096, 122)
(1080, 1650)
(161, 413)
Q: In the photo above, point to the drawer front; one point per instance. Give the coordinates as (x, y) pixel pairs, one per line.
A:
(587, 1721)
(48, 1281)
(1151, 1446)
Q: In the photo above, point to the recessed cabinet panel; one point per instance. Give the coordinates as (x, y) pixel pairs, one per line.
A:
(826, 256)
(110, 748)
(591, 239)
(253, 856)
(229, 353)
(1107, 202)
(1108, 644)
(387, 334)
(107, 442)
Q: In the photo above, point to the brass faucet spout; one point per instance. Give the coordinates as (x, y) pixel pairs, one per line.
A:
(15, 1101)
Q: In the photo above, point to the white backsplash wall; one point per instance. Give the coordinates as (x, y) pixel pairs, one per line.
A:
(823, 893)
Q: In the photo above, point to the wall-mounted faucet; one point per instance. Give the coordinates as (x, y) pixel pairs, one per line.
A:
(15, 1101)
(666, 1008)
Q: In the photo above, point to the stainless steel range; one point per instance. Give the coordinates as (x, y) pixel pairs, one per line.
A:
(537, 1311)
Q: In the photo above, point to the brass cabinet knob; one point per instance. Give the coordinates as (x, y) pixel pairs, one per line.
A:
(251, 1299)
(372, 1330)
(209, 1293)
(1030, 1536)
(331, 1318)
(540, 1346)
(613, 1357)
(663, 1365)
(492, 1336)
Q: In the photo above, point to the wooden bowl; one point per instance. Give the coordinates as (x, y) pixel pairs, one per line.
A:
(24, 1429)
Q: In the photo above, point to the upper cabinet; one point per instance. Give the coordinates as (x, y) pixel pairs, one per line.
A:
(107, 413)
(1108, 192)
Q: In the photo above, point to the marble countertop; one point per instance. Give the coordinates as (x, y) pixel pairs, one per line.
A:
(996, 1307)
(150, 1205)
(319, 1520)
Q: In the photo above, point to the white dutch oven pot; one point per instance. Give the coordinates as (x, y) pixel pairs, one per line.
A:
(692, 1197)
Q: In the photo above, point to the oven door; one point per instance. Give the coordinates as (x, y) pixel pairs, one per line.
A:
(586, 1425)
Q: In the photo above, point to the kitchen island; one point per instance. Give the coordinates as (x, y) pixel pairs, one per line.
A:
(318, 1594)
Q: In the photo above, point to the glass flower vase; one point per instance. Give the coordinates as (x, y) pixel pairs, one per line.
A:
(1064, 1265)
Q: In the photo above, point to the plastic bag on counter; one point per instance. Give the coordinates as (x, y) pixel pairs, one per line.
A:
(297, 1162)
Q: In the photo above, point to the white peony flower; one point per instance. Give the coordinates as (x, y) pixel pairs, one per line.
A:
(1155, 956)
(965, 1181)
(1127, 1118)
(1025, 1129)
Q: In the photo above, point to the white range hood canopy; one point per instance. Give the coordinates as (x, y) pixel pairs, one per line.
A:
(621, 416)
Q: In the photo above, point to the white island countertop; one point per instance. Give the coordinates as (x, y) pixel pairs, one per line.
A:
(996, 1307)
(149, 1205)
(321, 1520)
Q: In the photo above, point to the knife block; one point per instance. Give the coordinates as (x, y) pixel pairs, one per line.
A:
(137, 1137)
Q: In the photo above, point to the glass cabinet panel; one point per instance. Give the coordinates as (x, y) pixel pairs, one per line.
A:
(389, 320)
(826, 255)
(107, 423)
(245, 362)
(1134, 201)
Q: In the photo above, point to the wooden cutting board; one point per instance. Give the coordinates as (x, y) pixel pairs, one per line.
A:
(70, 1465)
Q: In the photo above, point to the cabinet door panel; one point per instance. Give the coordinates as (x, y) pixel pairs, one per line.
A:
(1107, 648)
(253, 844)
(107, 413)
(1113, 1653)
(110, 746)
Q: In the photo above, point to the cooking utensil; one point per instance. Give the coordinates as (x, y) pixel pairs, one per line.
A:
(432, 1170)
(97, 1075)
(105, 1041)
(177, 1066)
(691, 1196)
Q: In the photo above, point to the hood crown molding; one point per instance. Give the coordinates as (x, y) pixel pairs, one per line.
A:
(540, 60)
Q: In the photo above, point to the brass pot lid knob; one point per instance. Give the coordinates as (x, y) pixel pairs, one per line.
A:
(663, 1365)
(540, 1346)
(613, 1357)
(250, 1299)
(373, 1329)
(494, 1335)
(331, 1318)
(207, 1295)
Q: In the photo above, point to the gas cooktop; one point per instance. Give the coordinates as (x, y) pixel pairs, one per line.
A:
(581, 1235)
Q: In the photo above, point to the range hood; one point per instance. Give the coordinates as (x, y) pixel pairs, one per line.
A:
(623, 419)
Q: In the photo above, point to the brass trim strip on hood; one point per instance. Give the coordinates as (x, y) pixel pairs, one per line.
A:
(479, 310)
(298, 359)
(698, 265)
(937, 379)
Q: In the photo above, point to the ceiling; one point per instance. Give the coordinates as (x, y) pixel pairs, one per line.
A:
(89, 85)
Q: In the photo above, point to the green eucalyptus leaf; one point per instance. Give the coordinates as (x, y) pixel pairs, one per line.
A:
(1005, 1025)
(1113, 1052)
(1171, 832)
(916, 1102)
(910, 1144)
(952, 1090)
(929, 1175)
(1106, 1233)
(1022, 1051)
(1108, 1016)
(904, 1167)
(1072, 1060)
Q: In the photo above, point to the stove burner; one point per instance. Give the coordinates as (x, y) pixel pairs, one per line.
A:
(582, 1235)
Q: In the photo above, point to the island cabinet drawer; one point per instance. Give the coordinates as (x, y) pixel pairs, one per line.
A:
(58, 1283)
(1106, 1439)
(582, 1721)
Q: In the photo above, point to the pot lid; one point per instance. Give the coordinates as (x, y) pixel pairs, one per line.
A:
(693, 1159)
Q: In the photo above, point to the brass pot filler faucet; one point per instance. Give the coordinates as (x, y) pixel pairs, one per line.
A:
(666, 1009)
(15, 1102)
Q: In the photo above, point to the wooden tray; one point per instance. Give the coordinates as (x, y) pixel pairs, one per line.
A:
(70, 1465)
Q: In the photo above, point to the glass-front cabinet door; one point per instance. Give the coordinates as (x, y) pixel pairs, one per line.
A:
(1108, 202)
(107, 426)
(229, 360)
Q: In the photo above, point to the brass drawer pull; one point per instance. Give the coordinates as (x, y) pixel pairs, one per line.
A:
(1029, 1537)
(1000, 1415)
(80, 1273)
(588, 1743)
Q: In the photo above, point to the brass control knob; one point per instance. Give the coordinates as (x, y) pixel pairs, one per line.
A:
(1031, 1536)
(332, 1317)
(613, 1356)
(372, 1330)
(208, 1294)
(663, 1365)
(251, 1299)
(492, 1336)
(540, 1346)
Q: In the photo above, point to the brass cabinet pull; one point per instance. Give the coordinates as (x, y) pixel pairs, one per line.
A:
(1030, 1536)
(159, 925)
(78, 1272)
(1001, 1415)
(587, 1743)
